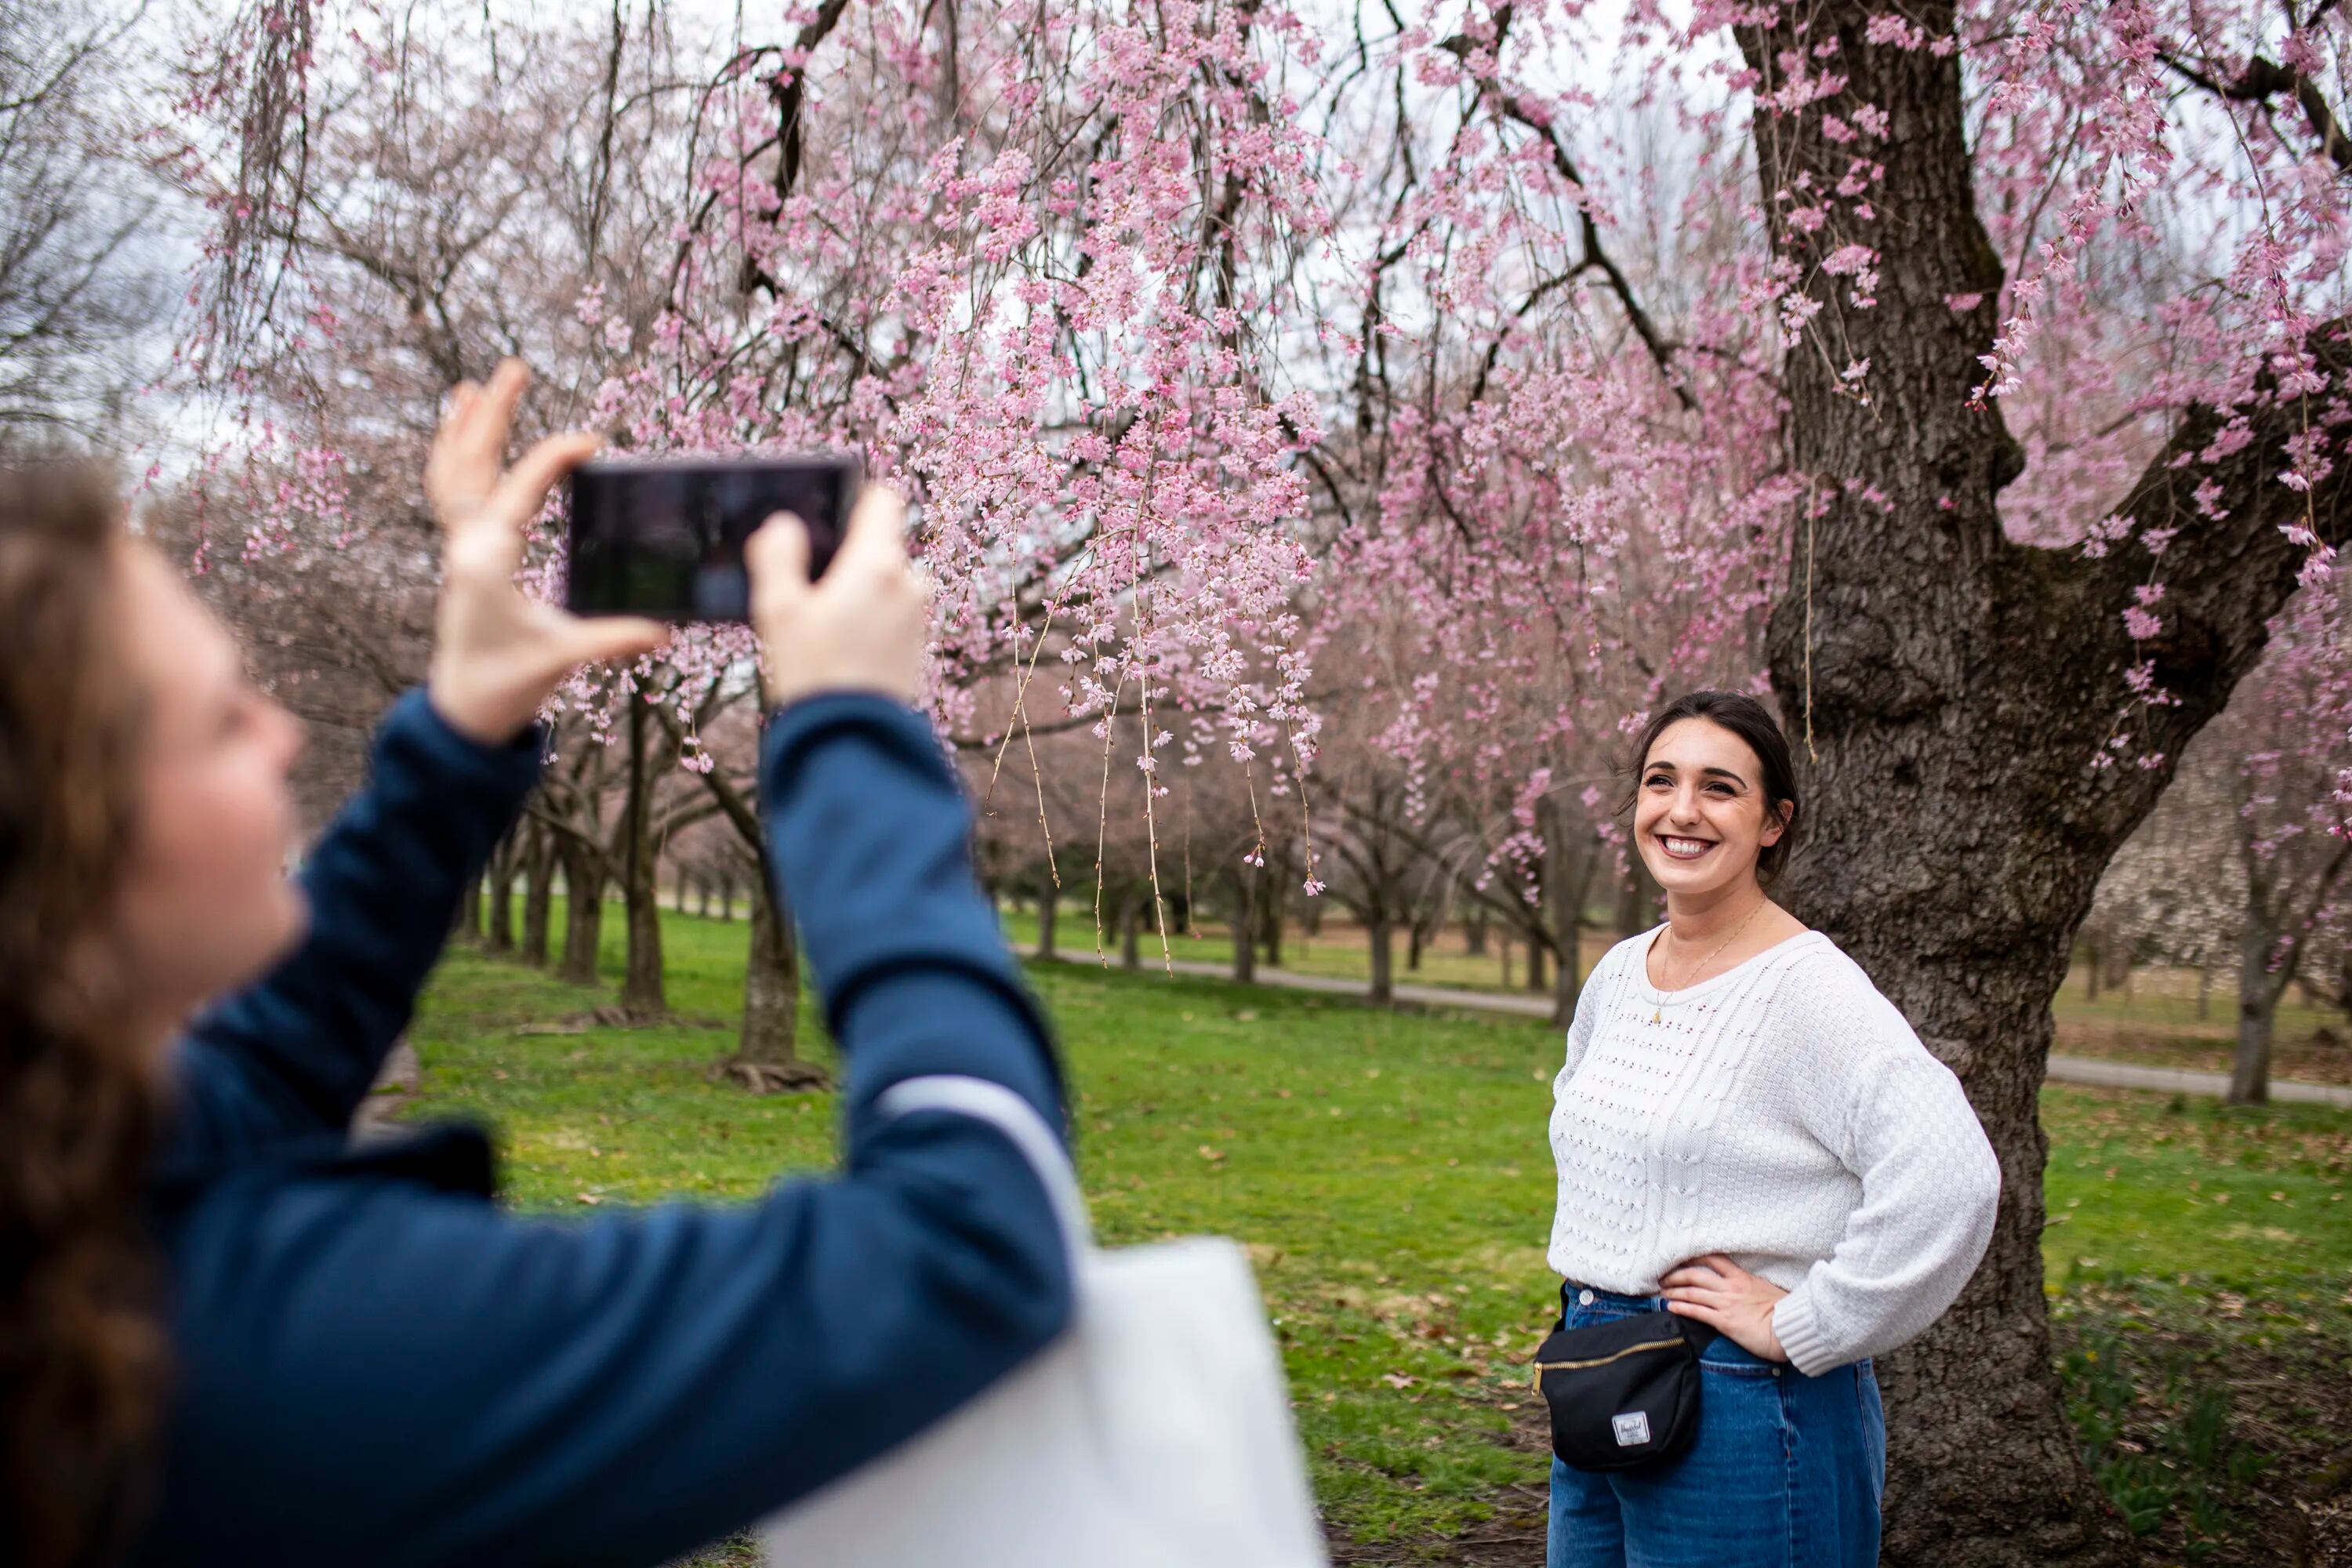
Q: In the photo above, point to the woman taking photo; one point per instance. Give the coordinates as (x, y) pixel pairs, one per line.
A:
(224, 1339)
(1750, 1136)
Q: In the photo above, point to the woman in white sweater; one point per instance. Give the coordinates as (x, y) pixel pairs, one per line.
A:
(1750, 1135)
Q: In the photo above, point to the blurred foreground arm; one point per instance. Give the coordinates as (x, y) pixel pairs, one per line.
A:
(379, 1367)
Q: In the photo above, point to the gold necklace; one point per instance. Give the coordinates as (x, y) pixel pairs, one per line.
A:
(1657, 997)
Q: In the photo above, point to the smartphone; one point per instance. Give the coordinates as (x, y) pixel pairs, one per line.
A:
(664, 537)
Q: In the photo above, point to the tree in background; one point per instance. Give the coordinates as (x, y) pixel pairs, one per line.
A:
(2294, 833)
(83, 283)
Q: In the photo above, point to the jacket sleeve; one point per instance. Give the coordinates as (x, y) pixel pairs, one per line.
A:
(379, 1373)
(295, 1052)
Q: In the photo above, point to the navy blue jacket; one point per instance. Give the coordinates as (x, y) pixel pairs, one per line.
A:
(377, 1365)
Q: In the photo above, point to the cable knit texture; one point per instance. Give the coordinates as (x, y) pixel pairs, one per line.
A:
(1783, 1112)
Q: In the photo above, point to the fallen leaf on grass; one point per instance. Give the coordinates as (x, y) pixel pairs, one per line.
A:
(1398, 1380)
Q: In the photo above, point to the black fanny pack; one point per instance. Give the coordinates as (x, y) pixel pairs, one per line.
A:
(1623, 1394)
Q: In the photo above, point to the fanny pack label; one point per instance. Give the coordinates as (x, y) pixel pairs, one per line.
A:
(1632, 1428)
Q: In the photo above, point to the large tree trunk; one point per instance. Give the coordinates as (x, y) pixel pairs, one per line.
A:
(1637, 900)
(1049, 910)
(583, 916)
(1568, 871)
(1246, 925)
(642, 988)
(1474, 932)
(1130, 930)
(502, 872)
(2259, 989)
(1269, 912)
(1382, 932)
(1535, 980)
(2258, 1000)
(1942, 681)
(538, 895)
(767, 1054)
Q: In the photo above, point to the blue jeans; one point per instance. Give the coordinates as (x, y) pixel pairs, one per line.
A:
(1785, 1473)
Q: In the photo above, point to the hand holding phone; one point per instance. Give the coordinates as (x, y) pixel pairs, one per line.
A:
(498, 653)
(863, 628)
(664, 538)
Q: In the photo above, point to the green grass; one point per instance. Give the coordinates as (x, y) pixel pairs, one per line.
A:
(1340, 951)
(1389, 1173)
(2155, 1022)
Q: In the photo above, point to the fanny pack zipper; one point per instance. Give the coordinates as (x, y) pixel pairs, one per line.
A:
(1544, 1366)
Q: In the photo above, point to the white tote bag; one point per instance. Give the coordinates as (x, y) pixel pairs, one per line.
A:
(1155, 1434)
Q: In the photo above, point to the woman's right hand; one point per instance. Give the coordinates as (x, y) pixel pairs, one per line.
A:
(860, 628)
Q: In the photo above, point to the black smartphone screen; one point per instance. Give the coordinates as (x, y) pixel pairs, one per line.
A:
(664, 538)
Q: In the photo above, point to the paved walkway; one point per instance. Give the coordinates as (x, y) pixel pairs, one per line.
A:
(2062, 1069)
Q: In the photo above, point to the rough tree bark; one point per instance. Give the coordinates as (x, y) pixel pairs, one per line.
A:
(538, 894)
(584, 913)
(1568, 869)
(502, 874)
(1942, 678)
(2259, 991)
(1637, 901)
(1245, 878)
(1049, 914)
(1130, 930)
(766, 1051)
(642, 987)
(1381, 932)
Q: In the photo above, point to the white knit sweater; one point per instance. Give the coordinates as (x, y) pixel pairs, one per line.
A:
(1783, 1112)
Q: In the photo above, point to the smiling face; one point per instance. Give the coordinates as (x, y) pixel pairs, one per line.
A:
(1700, 816)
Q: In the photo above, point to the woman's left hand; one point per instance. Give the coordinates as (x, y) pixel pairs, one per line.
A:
(498, 653)
(1726, 1297)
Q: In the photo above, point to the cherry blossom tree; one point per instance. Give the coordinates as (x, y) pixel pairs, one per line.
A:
(1971, 376)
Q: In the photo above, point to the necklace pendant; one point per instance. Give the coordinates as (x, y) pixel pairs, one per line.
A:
(1657, 1015)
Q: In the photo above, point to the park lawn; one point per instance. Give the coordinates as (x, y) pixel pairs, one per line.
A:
(1390, 1175)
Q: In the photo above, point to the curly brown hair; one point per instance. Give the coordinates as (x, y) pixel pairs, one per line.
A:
(81, 1343)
